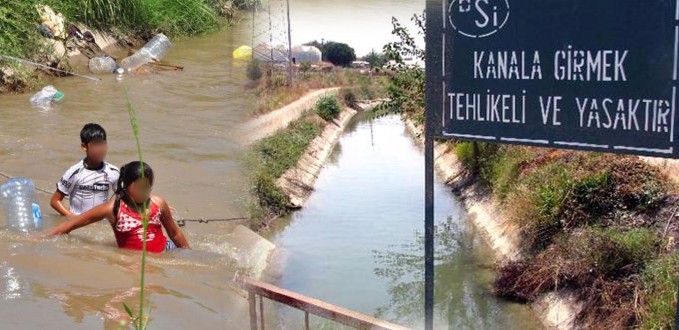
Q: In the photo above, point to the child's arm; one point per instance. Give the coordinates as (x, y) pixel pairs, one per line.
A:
(64, 188)
(96, 214)
(57, 206)
(173, 231)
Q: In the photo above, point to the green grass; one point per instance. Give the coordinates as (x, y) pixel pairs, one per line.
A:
(588, 223)
(270, 158)
(180, 17)
(18, 23)
(176, 18)
(21, 38)
(660, 288)
(629, 253)
(100, 14)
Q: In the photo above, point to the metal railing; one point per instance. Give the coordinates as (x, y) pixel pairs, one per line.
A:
(308, 306)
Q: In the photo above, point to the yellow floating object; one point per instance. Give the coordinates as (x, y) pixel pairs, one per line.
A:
(242, 52)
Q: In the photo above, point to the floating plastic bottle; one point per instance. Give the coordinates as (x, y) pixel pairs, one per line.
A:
(46, 96)
(156, 48)
(22, 211)
(102, 64)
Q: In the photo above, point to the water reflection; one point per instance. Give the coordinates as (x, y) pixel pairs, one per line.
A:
(462, 287)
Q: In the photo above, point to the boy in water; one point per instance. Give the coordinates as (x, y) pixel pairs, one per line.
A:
(88, 182)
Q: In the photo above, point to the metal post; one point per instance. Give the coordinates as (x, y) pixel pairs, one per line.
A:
(270, 33)
(261, 311)
(434, 103)
(254, 10)
(253, 309)
(676, 315)
(289, 49)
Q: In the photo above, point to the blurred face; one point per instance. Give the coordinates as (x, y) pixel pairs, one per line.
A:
(140, 190)
(96, 150)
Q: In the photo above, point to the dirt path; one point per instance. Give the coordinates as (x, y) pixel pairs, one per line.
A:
(267, 124)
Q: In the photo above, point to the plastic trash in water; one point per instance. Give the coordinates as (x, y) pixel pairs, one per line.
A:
(46, 96)
(156, 48)
(102, 64)
(242, 53)
(22, 210)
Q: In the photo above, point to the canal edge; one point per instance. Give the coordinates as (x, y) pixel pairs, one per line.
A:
(556, 310)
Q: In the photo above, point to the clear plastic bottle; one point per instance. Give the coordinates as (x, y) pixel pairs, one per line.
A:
(156, 48)
(44, 96)
(102, 64)
(22, 211)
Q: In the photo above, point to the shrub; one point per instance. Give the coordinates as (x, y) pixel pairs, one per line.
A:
(328, 107)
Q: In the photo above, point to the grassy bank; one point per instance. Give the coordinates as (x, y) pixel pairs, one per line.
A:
(597, 225)
(271, 92)
(21, 37)
(269, 158)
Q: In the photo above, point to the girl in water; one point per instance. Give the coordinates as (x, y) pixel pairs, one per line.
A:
(123, 212)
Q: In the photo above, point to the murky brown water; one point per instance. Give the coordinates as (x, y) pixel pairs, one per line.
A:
(185, 120)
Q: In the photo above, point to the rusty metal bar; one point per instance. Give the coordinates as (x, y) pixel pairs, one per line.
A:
(253, 309)
(315, 307)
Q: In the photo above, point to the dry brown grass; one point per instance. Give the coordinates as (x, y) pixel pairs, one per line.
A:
(271, 92)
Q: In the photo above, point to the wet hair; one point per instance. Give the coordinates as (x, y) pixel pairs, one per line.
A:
(131, 172)
(92, 132)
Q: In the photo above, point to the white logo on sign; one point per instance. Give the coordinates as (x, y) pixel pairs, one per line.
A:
(478, 18)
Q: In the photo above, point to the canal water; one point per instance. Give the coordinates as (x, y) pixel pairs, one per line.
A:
(186, 121)
(358, 242)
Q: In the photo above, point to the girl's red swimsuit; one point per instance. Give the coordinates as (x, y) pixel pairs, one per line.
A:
(129, 229)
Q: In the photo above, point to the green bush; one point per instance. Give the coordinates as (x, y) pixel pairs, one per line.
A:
(589, 200)
(254, 70)
(328, 107)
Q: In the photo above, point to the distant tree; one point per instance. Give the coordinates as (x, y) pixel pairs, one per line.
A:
(376, 60)
(339, 54)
